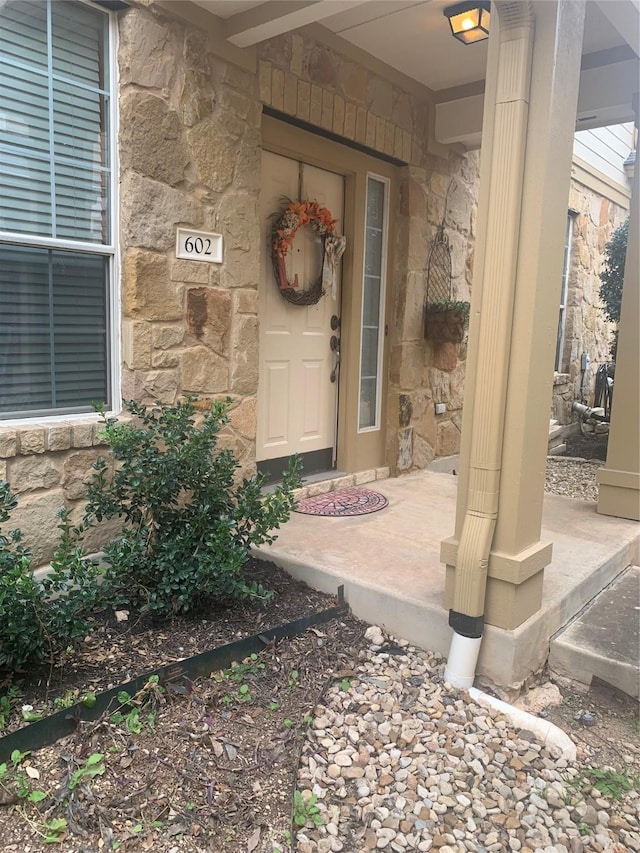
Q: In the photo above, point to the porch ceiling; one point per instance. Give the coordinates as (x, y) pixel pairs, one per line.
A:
(412, 36)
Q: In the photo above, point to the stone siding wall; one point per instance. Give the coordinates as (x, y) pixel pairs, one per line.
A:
(423, 372)
(562, 399)
(190, 155)
(48, 466)
(586, 329)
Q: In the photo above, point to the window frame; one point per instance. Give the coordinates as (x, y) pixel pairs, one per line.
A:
(108, 249)
(564, 293)
(377, 425)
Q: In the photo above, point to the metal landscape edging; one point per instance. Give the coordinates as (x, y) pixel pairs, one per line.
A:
(50, 729)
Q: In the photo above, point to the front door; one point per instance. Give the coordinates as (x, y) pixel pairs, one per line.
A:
(298, 387)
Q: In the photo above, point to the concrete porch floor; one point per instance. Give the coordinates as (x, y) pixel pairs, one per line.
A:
(389, 564)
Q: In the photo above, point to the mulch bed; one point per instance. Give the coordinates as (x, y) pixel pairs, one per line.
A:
(211, 766)
(588, 446)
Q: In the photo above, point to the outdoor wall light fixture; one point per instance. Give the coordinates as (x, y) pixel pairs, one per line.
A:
(469, 22)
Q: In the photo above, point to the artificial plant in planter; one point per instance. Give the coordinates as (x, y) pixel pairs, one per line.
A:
(446, 320)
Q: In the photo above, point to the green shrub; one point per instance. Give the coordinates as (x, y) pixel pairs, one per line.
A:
(74, 586)
(187, 524)
(40, 618)
(21, 597)
(612, 277)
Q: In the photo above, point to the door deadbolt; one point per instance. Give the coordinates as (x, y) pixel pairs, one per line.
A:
(335, 322)
(334, 345)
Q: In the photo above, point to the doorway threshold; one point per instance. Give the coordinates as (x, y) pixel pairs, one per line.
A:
(333, 481)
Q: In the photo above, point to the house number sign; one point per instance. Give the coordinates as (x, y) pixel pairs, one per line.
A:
(198, 246)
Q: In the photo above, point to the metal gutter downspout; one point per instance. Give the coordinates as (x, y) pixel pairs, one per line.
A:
(502, 168)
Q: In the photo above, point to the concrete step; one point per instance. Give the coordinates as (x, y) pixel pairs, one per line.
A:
(603, 640)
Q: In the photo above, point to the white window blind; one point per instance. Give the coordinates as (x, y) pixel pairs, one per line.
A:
(55, 175)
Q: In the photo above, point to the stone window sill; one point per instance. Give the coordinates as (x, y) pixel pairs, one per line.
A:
(43, 437)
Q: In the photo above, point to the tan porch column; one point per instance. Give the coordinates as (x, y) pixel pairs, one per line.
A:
(619, 480)
(518, 265)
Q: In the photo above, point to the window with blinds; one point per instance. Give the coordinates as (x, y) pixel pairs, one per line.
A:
(56, 249)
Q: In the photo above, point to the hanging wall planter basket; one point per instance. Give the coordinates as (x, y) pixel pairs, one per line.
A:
(445, 319)
(446, 323)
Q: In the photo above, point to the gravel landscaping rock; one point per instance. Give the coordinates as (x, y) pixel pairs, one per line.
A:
(399, 760)
(572, 478)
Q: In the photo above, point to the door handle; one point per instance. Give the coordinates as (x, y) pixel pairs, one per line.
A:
(334, 344)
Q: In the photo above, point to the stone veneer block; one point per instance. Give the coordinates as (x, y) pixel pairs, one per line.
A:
(3, 469)
(304, 100)
(316, 104)
(149, 209)
(165, 337)
(59, 437)
(98, 441)
(406, 146)
(382, 473)
(151, 138)
(300, 494)
(326, 119)
(290, 94)
(36, 517)
(338, 115)
(397, 143)
(8, 443)
(203, 371)
(147, 292)
(264, 82)
(236, 102)
(245, 355)
(189, 272)
(32, 441)
(361, 125)
(82, 435)
(343, 482)
(365, 477)
(381, 130)
(277, 88)
(322, 488)
(77, 474)
(297, 54)
(136, 344)
(389, 138)
(350, 121)
(370, 137)
(242, 418)
(165, 359)
(30, 473)
(245, 301)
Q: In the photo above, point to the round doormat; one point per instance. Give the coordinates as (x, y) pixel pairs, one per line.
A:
(352, 501)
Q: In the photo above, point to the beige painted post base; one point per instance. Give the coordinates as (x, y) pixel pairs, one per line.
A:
(619, 493)
(619, 480)
(514, 583)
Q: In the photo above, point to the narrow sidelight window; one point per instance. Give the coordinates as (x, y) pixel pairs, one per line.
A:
(373, 293)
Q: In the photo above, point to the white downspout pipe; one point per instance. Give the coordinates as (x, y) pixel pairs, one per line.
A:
(502, 252)
(551, 735)
(502, 171)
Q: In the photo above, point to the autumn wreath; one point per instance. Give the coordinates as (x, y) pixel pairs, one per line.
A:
(304, 214)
